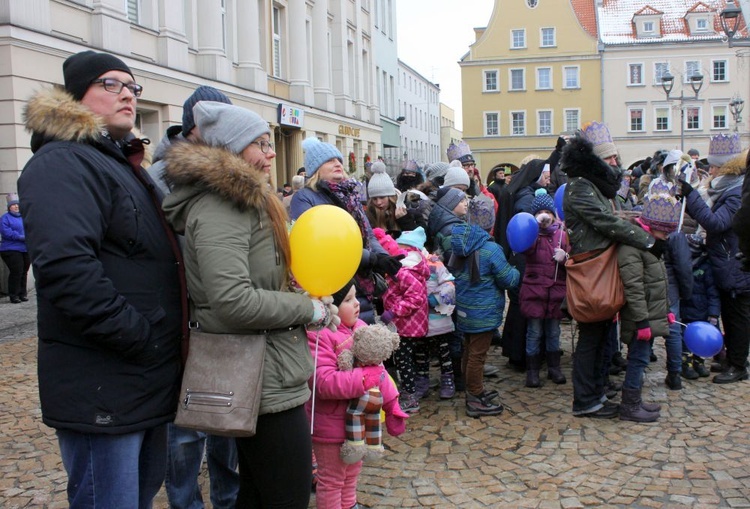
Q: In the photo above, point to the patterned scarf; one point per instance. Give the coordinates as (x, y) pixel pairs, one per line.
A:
(346, 195)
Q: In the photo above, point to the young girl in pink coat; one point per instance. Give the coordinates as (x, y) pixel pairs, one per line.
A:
(337, 481)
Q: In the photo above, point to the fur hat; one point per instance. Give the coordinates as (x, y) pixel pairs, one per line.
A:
(661, 211)
(455, 176)
(723, 148)
(81, 69)
(202, 93)
(225, 125)
(414, 238)
(460, 152)
(380, 183)
(339, 295)
(542, 201)
(317, 153)
(449, 197)
(598, 134)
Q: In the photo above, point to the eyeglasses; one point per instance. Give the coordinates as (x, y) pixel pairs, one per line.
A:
(469, 165)
(264, 145)
(116, 86)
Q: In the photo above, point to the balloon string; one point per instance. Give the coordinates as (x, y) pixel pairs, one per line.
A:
(315, 379)
(680, 323)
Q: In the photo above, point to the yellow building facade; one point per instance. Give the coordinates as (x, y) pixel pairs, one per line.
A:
(532, 74)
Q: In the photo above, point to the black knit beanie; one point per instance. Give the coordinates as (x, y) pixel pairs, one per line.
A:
(81, 69)
(339, 296)
(202, 93)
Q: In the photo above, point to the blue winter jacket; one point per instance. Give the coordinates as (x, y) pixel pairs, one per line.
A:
(11, 231)
(705, 300)
(482, 274)
(679, 268)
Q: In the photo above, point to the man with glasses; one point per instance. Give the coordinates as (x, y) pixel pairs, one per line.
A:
(110, 293)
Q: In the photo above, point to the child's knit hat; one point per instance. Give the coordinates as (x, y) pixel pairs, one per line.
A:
(380, 183)
(542, 201)
(455, 176)
(449, 197)
(338, 296)
(415, 238)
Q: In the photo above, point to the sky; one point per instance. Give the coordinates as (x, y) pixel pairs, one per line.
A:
(433, 35)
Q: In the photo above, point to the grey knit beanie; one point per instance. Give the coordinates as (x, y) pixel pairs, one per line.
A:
(225, 125)
(435, 171)
(380, 183)
(449, 197)
(456, 175)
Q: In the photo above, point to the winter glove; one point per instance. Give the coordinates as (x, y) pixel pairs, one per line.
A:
(432, 300)
(395, 418)
(560, 255)
(644, 334)
(685, 188)
(387, 316)
(671, 318)
(658, 248)
(372, 376)
(325, 314)
(713, 320)
(389, 265)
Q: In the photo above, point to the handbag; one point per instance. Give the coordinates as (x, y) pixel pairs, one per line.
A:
(222, 383)
(594, 290)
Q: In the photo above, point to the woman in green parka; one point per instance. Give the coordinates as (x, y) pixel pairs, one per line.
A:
(236, 258)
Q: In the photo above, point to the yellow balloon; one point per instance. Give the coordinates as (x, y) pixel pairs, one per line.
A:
(326, 246)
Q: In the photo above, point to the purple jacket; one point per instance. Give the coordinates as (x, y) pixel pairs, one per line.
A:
(333, 387)
(542, 293)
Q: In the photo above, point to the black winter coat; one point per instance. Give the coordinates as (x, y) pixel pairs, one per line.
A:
(108, 289)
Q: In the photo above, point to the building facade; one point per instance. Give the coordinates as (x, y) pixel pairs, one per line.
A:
(419, 104)
(448, 132)
(306, 66)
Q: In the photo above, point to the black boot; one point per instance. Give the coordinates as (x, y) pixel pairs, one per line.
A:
(700, 367)
(554, 372)
(673, 380)
(731, 375)
(458, 374)
(631, 409)
(619, 361)
(687, 368)
(532, 371)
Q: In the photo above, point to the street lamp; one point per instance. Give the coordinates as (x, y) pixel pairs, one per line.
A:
(730, 23)
(735, 107)
(667, 83)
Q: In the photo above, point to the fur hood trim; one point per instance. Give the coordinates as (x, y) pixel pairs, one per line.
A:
(216, 170)
(54, 114)
(578, 160)
(735, 166)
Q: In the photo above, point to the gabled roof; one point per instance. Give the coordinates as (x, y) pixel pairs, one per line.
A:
(585, 10)
(616, 20)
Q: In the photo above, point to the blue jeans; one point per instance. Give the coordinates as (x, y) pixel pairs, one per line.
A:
(638, 358)
(538, 327)
(114, 471)
(184, 459)
(673, 342)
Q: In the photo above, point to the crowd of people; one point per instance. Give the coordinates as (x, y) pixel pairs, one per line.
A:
(117, 248)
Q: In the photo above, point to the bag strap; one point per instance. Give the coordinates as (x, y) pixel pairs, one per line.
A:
(588, 255)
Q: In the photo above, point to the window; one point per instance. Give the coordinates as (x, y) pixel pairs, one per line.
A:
(134, 7)
(572, 120)
(636, 120)
(701, 25)
(518, 123)
(518, 38)
(571, 77)
(660, 70)
(648, 27)
(662, 119)
(544, 78)
(517, 79)
(719, 117)
(492, 123)
(277, 42)
(548, 38)
(490, 81)
(692, 68)
(719, 70)
(544, 121)
(635, 74)
(692, 118)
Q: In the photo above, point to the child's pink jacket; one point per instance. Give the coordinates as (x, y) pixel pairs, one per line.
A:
(406, 297)
(334, 388)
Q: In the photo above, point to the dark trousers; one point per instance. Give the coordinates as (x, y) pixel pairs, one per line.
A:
(735, 317)
(588, 359)
(18, 264)
(276, 464)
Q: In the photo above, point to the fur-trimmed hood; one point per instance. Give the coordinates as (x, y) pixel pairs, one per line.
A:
(735, 166)
(579, 160)
(53, 115)
(195, 168)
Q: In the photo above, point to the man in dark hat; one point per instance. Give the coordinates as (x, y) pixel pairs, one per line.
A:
(111, 297)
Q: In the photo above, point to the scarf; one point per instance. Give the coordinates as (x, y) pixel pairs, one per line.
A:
(345, 194)
(723, 183)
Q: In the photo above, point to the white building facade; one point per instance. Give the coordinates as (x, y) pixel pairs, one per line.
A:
(419, 104)
(310, 59)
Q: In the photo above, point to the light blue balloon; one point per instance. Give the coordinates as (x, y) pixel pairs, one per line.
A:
(522, 231)
(559, 196)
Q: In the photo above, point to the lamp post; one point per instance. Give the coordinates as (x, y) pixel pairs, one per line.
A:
(730, 23)
(735, 107)
(667, 83)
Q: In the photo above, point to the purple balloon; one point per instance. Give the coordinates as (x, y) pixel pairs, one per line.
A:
(559, 195)
(703, 339)
(522, 231)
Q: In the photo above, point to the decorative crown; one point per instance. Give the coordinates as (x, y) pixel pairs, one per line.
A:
(661, 211)
(596, 133)
(725, 145)
(457, 151)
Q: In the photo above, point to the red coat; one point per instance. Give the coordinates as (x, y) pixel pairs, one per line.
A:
(542, 293)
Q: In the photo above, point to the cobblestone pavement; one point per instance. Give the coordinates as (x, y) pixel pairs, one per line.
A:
(534, 455)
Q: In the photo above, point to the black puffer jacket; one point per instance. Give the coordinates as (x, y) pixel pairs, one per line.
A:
(108, 289)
